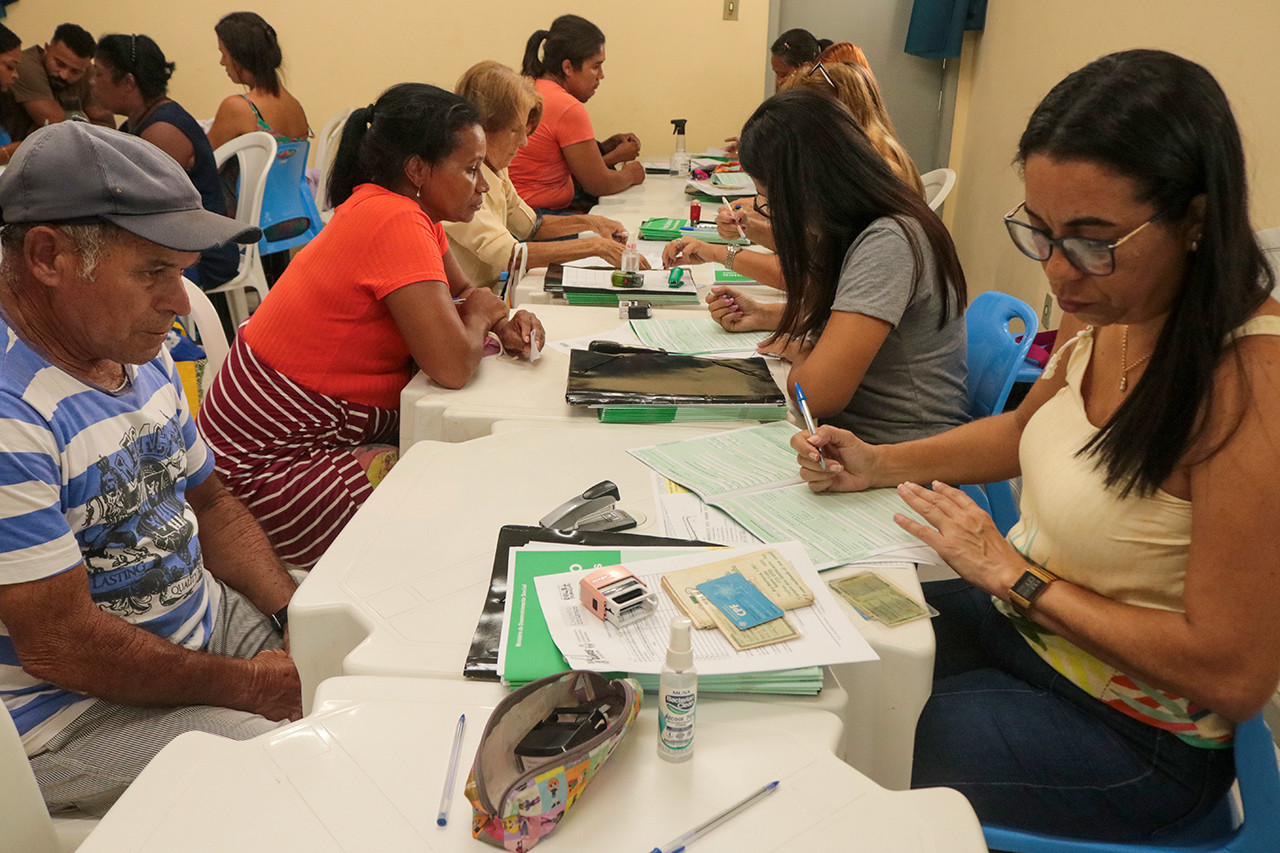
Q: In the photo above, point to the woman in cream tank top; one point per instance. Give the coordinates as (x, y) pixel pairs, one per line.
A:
(1091, 667)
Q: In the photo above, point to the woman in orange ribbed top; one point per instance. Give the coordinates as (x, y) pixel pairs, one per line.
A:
(303, 416)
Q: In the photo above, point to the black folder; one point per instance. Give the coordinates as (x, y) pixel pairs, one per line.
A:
(662, 379)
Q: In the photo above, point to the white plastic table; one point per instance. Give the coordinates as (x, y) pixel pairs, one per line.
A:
(516, 389)
(400, 590)
(364, 771)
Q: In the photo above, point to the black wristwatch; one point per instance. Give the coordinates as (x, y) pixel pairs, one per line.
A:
(1034, 581)
(280, 619)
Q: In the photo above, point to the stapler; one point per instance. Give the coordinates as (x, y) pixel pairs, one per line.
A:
(594, 509)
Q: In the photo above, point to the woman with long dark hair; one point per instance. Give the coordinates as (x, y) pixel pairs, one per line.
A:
(563, 166)
(304, 413)
(1091, 667)
(251, 56)
(132, 80)
(873, 321)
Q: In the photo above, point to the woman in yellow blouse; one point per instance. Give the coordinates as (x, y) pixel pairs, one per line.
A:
(509, 111)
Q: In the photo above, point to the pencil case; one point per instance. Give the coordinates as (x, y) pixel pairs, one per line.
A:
(517, 800)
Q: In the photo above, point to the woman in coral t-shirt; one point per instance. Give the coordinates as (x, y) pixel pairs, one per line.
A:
(304, 414)
(563, 163)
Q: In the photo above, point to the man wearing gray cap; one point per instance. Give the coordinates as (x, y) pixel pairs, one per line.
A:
(119, 627)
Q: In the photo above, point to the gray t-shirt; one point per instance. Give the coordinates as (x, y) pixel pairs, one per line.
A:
(915, 386)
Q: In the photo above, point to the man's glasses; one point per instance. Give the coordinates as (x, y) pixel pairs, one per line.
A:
(1090, 256)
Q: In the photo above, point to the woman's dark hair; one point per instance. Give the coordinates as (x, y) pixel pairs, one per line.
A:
(1164, 123)
(8, 39)
(570, 37)
(408, 119)
(252, 43)
(796, 47)
(826, 184)
(137, 55)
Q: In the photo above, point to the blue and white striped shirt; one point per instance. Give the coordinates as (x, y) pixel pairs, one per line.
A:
(97, 477)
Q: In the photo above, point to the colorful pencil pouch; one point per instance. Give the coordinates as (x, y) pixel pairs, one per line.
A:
(517, 800)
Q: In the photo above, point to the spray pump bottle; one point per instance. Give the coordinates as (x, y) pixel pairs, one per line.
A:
(677, 694)
(680, 159)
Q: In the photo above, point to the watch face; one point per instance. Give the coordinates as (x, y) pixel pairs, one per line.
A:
(1028, 586)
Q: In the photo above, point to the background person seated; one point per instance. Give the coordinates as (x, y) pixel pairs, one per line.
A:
(564, 167)
(251, 56)
(120, 626)
(509, 108)
(873, 324)
(53, 85)
(132, 80)
(304, 414)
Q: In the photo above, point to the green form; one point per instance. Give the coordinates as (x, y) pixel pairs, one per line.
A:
(751, 474)
(694, 336)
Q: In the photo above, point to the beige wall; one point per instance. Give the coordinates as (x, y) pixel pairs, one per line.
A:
(1029, 46)
(664, 56)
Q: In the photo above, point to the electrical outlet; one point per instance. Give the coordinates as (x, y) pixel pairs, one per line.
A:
(1047, 313)
(731, 10)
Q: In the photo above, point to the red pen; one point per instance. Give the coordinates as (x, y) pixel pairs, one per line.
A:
(695, 213)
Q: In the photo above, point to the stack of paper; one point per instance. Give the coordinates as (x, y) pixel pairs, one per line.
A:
(768, 498)
(695, 336)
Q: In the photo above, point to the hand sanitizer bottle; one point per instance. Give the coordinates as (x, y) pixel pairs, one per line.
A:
(677, 694)
(631, 257)
(680, 159)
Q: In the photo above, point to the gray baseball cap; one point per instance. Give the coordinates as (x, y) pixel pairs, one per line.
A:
(75, 171)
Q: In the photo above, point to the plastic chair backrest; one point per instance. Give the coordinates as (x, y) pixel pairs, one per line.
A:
(1258, 832)
(206, 325)
(289, 216)
(937, 186)
(24, 821)
(255, 152)
(994, 356)
(326, 150)
(1269, 241)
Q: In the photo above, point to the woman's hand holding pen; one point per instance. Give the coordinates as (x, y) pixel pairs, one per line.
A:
(738, 214)
(852, 464)
(737, 312)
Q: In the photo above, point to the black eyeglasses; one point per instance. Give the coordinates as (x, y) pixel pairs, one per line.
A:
(762, 209)
(818, 67)
(1090, 256)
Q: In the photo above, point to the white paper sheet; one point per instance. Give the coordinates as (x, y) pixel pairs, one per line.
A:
(826, 634)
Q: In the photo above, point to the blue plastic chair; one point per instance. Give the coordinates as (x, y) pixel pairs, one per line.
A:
(995, 360)
(1220, 831)
(289, 214)
(994, 356)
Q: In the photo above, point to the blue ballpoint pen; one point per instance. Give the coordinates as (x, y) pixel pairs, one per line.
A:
(703, 828)
(447, 796)
(808, 420)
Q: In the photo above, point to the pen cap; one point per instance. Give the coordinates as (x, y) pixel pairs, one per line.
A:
(680, 646)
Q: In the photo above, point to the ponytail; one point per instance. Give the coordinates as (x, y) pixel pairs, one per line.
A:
(346, 176)
(532, 66)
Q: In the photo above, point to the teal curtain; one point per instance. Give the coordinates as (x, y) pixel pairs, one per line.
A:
(937, 26)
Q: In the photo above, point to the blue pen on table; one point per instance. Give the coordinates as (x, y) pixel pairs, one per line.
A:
(447, 796)
(715, 820)
(808, 420)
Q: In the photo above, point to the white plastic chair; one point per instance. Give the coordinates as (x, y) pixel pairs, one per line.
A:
(937, 186)
(206, 325)
(326, 149)
(256, 152)
(25, 823)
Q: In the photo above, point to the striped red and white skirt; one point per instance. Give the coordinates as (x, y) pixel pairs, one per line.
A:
(301, 461)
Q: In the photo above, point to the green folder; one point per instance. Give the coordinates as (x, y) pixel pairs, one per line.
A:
(604, 298)
(688, 414)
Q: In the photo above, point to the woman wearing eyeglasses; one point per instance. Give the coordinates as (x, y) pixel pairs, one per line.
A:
(872, 323)
(1091, 667)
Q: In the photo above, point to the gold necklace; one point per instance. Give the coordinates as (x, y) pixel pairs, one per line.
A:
(1125, 366)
